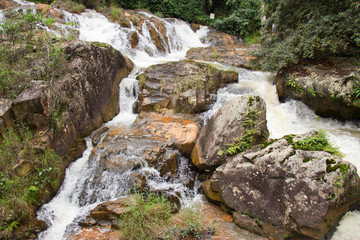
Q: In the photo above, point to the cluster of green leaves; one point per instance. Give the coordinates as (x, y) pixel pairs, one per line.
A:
(241, 17)
(27, 52)
(149, 218)
(21, 190)
(295, 31)
(317, 142)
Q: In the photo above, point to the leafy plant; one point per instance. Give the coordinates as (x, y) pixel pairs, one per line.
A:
(356, 90)
(317, 142)
(146, 219)
(296, 31)
(21, 190)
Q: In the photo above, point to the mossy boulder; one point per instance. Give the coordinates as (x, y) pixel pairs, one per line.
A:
(237, 126)
(281, 191)
(328, 87)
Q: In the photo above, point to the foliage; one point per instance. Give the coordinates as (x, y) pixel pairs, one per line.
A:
(356, 90)
(149, 218)
(190, 226)
(243, 17)
(21, 187)
(27, 52)
(317, 142)
(70, 6)
(295, 31)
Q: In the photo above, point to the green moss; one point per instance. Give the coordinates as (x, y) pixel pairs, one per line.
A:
(99, 44)
(331, 197)
(317, 142)
(245, 142)
(330, 167)
(268, 142)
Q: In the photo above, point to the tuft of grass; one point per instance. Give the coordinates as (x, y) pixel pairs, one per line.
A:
(116, 13)
(71, 6)
(147, 218)
(191, 226)
(150, 219)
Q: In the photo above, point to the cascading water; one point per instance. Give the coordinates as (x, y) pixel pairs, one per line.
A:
(76, 196)
(79, 193)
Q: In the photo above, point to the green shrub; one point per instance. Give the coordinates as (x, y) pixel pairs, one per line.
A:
(300, 30)
(243, 18)
(20, 192)
(317, 142)
(27, 53)
(147, 218)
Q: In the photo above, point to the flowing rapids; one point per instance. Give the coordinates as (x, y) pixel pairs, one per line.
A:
(78, 195)
(73, 201)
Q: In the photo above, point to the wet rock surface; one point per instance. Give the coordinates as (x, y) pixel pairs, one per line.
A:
(224, 48)
(327, 88)
(238, 56)
(124, 155)
(278, 190)
(184, 86)
(242, 118)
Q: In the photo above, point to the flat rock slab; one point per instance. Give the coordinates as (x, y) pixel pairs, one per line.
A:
(234, 55)
(185, 86)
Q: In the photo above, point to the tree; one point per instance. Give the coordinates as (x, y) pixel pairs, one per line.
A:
(242, 17)
(296, 31)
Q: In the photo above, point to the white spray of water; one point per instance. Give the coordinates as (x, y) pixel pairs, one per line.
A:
(24, 3)
(2, 15)
(62, 210)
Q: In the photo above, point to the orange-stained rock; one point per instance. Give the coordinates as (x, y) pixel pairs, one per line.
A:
(210, 193)
(49, 11)
(179, 129)
(6, 4)
(95, 233)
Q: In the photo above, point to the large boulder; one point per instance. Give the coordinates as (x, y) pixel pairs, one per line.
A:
(88, 93)
(281, 191)
(184, 86)
(327, 88)
(236, 127)
(179, 130)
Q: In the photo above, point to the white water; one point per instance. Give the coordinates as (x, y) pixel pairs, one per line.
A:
(2, 15)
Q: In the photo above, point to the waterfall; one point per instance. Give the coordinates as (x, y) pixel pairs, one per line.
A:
(78, 194)
(74, 197)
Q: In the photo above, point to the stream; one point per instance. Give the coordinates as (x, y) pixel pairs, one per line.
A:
(77, 196)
